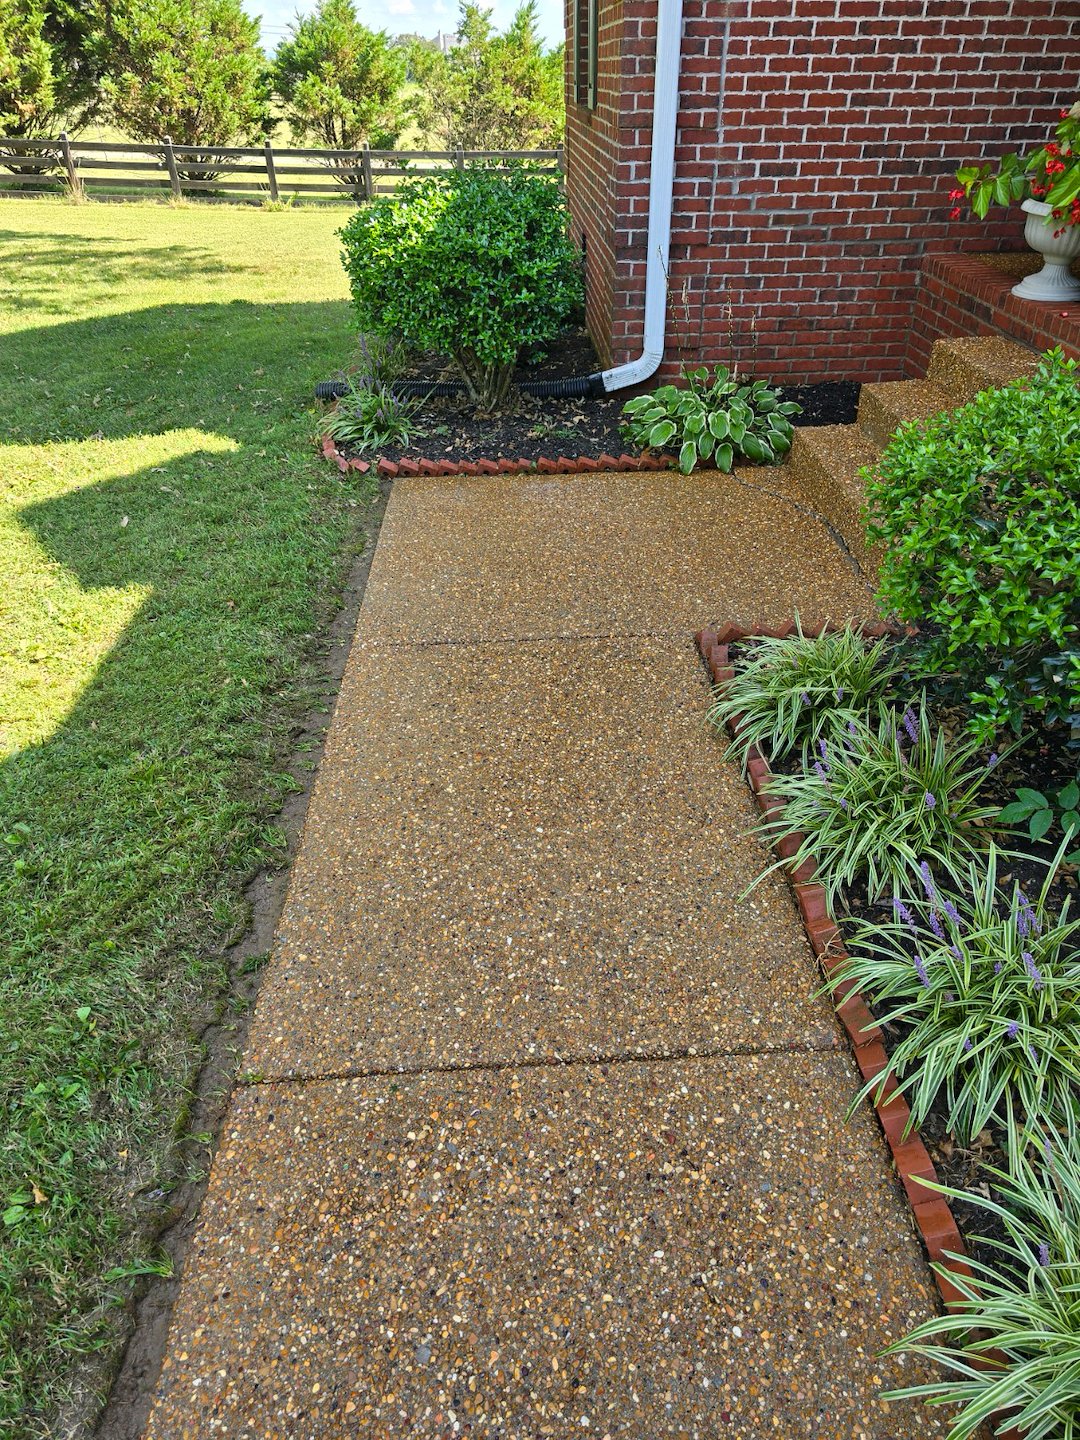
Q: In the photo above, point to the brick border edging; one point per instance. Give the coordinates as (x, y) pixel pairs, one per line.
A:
(933, 1218)
(545, 465)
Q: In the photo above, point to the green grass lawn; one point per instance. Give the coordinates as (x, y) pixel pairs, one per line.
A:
(169, 546)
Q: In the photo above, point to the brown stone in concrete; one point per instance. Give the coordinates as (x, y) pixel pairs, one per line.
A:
(602, 554)
(522, 852)
(637, 1251)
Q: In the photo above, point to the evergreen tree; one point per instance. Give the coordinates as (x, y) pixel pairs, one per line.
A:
(340, 82)
(189, 69)
(491, 91)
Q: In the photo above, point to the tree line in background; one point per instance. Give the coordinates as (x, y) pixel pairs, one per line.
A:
(194, 70)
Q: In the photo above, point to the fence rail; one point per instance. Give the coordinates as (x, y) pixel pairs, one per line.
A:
(268, 173)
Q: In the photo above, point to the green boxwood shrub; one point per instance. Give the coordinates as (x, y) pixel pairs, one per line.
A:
(476, 266)
(980, 515)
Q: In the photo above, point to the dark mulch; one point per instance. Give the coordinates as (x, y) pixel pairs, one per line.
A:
(448, 427)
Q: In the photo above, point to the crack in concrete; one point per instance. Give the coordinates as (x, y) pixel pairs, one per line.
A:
(551, 1062)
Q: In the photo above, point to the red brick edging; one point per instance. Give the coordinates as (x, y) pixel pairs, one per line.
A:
(913, 1164)
(933, 1218)
(563, 465)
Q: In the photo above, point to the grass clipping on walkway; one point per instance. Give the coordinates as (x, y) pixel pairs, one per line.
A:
(171, 546)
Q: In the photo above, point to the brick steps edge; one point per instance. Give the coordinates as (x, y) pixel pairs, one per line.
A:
(933, 1218)
(546, 465)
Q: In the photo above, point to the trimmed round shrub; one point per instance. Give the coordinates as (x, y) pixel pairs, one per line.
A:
(980, 515)
(477, 266)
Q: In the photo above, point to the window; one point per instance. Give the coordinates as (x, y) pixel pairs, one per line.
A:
(585, 52)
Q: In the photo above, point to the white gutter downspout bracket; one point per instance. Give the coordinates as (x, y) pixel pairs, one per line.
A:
(661, 192)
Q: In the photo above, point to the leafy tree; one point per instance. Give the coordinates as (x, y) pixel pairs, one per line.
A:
(189, 69)
(28, 97)
(340, 81)
(491, 91)
(76, 32)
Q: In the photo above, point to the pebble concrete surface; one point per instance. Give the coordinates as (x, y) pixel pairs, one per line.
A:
(543, 1131)
(462, 558)
(523, 851)
(639, 1250)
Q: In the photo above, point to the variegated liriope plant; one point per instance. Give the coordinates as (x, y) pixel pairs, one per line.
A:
(718, 420)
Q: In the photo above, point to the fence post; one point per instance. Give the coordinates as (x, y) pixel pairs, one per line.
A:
(365, 171)
(459, 157)
(74, 183)
(271, 173)
(170, 161)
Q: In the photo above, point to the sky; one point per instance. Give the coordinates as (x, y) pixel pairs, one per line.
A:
(423, 17)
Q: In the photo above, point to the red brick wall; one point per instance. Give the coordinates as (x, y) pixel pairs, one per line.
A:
(817, 139)
(962, 295)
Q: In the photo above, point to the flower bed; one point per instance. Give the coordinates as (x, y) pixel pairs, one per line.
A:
(972, 1290)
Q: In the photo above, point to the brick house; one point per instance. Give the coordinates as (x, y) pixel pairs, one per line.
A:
(816, 141)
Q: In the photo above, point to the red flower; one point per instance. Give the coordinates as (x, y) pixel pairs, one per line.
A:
(954, 213)
(956, 194)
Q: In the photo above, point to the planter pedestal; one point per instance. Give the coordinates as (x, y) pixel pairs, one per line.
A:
(1054, 284)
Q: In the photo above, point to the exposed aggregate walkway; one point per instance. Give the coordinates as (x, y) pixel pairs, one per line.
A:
(543, 1129)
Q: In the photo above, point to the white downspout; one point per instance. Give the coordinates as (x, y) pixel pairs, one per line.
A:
(661, 188)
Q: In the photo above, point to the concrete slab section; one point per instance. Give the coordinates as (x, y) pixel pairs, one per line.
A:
(518, 852)
(600, 554)
(696, 1249)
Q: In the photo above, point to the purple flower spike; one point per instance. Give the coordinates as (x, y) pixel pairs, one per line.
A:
(909, 724)
(853, 729)
(992, 761)
(1044, 1254)
(821, 773)
(927, 880)
(805, 698)
(843, 805)
(954, 950)
(920, 970)
(902, 912)
(935, 924)
(1034, 1056)
(997, 967)
(929, 800)
(1027, 922)
(951, 911)
(1033, 970)
(1012, 1029)
(839, 694)
(967, 1044)
(823, 747)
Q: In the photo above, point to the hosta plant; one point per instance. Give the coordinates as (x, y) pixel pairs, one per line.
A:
(1011, 1346)
(371, 419)
(983, 987)
(889, 795)
(717, 419)
(793, 693)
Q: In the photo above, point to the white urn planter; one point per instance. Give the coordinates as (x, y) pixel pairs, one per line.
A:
(1054, 283)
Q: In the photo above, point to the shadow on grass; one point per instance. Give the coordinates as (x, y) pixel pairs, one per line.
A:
(133, 826)
(68, 255)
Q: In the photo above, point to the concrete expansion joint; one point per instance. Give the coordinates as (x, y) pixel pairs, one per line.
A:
(544, 1062)
(508, 641)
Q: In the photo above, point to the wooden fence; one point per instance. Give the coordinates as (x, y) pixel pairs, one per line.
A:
(227, 172)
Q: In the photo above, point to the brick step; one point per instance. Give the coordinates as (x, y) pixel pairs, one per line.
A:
(884, 406)
(964, 366)
(825, 462)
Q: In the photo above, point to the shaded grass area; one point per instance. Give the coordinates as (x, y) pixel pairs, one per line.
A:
(170, 548)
